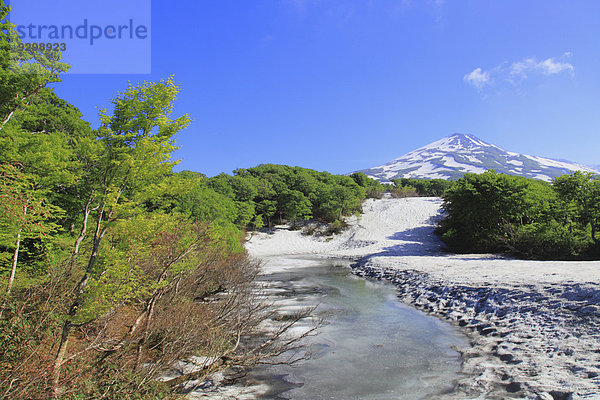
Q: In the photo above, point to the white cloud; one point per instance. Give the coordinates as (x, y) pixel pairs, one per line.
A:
(549, 66)
(478, 78)
(519, 71)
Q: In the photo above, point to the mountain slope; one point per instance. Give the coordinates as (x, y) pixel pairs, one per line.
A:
(453, 156)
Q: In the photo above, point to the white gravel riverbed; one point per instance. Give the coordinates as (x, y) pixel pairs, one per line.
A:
(534, 325)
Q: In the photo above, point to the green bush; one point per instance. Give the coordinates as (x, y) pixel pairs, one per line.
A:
(493, 212)
(548, 241)
(336, 227)
(404, 191)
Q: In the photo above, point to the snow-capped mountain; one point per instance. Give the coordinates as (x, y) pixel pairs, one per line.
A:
(453, 156)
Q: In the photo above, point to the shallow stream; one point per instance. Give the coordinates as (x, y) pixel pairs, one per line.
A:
(370, 346)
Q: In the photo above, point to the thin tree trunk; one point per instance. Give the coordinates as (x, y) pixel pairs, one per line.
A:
(140, 347)
(86, 214)
(218, 364)
(7, 119)
(60, 357)
(341, 212)
(67, 326)
(593, 225)
(9, 116)
(66, 330)
(13, 269)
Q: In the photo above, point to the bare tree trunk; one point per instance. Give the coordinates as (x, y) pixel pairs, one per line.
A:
(86, 214)
(218, 364)
(26, 99)
(66, 330)
(142, 341)
(60, 357)
(7, 119)
(593, 225)
(13, 269)
(341, 211)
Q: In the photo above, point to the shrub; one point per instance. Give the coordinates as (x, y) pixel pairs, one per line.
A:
(404, 191)
(336, 226)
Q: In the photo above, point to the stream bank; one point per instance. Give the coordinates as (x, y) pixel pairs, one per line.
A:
(533, 324)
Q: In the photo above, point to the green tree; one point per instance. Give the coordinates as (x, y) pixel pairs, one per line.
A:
(221, 184)
(580, 192)
(137, 141)
(23, 71)
(424, 187)
(244, 188)
(267, 208)
(294, 205)
(373, 188)
(529, 218)
(483, 210)
(24, 214)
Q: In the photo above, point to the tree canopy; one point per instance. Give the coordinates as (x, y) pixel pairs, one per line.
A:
(493, 212)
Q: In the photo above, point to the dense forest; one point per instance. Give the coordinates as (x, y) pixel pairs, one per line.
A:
(113, 266)
(498, 213)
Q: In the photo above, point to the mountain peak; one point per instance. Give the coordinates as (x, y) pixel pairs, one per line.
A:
(453, 156)
(465, 138)
(463, 135)
(457, 142)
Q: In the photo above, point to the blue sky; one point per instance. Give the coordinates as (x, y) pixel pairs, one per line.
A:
(343, 85)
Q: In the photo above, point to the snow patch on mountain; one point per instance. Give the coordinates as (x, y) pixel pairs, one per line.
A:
(453, 156)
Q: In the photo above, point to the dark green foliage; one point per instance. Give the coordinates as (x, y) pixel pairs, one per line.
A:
(284, 193)
(424, 187)
(493, 212)
(401, 192)
(260, 196)
(374, 189)
(23, 72)
(580, 200)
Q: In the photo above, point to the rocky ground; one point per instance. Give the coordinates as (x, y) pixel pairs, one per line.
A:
(532, 342)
